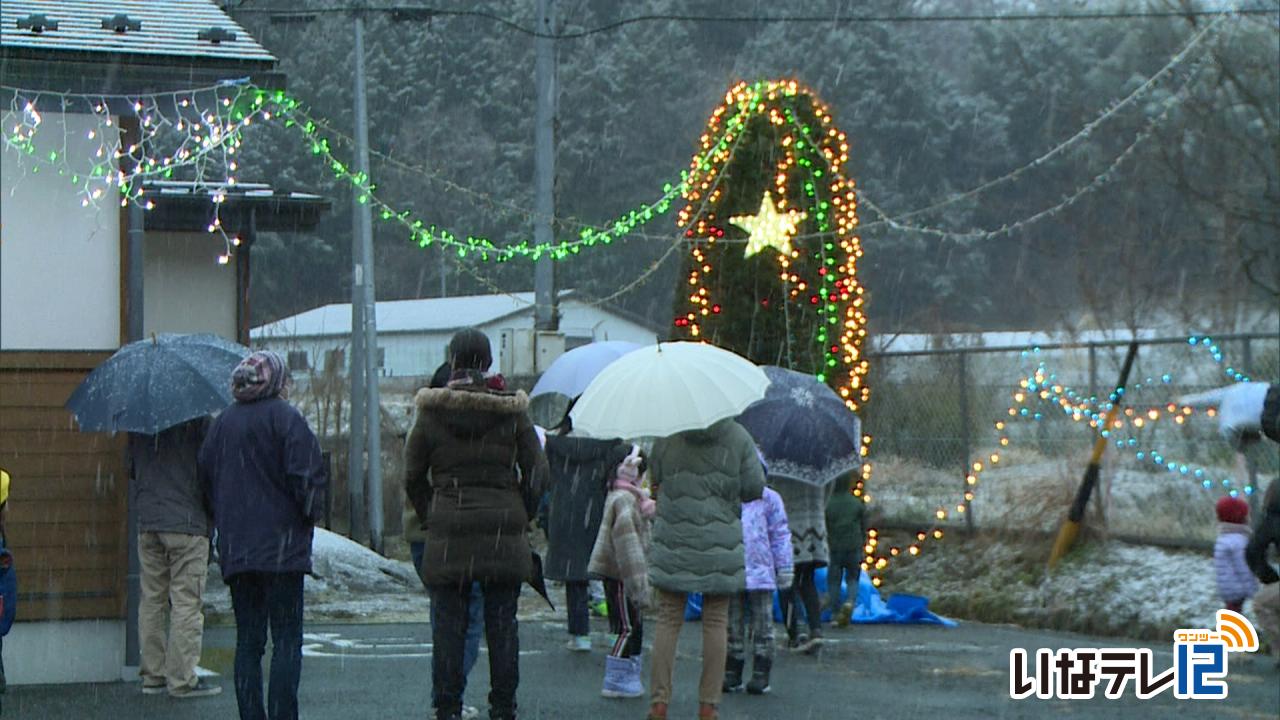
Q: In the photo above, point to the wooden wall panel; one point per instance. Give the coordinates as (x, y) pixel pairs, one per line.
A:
(67, 502)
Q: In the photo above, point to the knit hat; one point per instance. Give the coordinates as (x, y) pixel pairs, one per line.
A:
(261, 375)
(1232, 510)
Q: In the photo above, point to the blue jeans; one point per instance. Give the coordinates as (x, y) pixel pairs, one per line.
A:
(475, 621)
(261, 600)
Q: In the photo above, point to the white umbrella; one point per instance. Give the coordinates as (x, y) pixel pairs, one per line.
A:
(668, 388)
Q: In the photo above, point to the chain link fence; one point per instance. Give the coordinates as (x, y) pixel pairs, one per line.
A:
(936, 415)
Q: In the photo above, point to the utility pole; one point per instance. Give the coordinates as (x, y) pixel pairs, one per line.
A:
(368, 304)
(357, 376)
(546, 316)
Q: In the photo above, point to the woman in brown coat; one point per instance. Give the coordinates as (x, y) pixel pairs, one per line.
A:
(474, 470)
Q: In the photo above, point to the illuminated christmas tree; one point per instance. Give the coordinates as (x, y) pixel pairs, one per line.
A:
(772, 271)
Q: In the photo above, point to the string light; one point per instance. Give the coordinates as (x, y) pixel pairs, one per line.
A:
(816, 271)
(190, 134)
(1085, 132)
(425, 234)
(1042, 386)
(214, 131)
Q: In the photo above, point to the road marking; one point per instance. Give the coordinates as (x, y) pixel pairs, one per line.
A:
(334, 645)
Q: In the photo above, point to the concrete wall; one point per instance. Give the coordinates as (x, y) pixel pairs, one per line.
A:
(75, 651)
(185, 290)
(59, 260)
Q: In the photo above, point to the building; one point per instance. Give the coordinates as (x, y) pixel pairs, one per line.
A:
(78, 279)
(413, 334)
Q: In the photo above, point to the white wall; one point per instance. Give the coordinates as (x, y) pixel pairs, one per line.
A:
(185, 290)
(59, 261)
(421, 352)
(416, 353)
(75, 651)
(580, 320)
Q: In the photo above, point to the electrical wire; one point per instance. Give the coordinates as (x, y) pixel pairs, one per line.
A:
(406, 12)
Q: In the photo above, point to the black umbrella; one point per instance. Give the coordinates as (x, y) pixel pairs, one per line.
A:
(153, 384)
(803, 429)
(537, 581)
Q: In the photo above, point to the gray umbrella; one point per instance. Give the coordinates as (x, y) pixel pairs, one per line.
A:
(152, 384)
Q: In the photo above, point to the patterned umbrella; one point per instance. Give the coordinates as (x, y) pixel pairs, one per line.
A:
(803, 429)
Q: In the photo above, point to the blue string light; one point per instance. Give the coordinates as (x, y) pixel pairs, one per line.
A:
(1073, 406)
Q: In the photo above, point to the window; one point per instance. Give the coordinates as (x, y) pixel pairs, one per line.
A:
(382, 357)
(298, 360)
(574, 341)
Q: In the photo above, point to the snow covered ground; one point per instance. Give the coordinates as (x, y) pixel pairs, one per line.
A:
(1104, 587)
(349, 582)
(1028, 491)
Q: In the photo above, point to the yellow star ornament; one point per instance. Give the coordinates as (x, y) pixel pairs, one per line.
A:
(769, 228)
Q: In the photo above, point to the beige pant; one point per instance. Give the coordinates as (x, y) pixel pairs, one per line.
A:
(1266, 606)
(715, 643)
(174, 567)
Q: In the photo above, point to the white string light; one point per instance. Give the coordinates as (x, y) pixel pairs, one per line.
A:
(1080, 135)
(1094, 183)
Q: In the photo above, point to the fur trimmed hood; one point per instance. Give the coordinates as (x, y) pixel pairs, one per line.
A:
(481, 400)
(471, 412)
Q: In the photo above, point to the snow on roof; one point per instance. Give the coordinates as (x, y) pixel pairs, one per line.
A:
(170, 28)
(426, 314)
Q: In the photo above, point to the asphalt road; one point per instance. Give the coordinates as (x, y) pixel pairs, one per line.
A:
(863, 673)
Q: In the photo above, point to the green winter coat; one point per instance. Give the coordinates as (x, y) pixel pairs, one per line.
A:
(846, 522)
(702, 477)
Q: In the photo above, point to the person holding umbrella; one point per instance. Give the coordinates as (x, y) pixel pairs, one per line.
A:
(474, 470)
(809, 439)
(173, 551)
(702, 478)
(262, 468)
(703, 467)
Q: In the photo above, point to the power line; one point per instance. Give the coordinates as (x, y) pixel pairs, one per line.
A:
(405, 13)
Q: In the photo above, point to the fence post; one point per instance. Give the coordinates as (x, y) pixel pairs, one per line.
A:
(966, 434)
(1093, 370)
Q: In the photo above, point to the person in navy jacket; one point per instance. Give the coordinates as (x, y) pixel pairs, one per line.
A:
(262, 470)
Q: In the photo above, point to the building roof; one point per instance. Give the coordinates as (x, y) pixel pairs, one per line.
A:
(165, 29)
(423, 315)
(181, 206)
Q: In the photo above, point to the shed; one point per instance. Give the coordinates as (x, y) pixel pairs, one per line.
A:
(79, 279)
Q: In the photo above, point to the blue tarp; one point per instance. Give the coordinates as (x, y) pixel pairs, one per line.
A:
(869, 608)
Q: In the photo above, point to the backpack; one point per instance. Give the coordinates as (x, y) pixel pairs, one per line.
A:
(8, 590)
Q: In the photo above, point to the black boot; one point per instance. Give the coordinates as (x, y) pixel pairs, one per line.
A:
(760, 668)
(733, 674)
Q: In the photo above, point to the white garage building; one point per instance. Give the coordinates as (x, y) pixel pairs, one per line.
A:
(413, 334)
